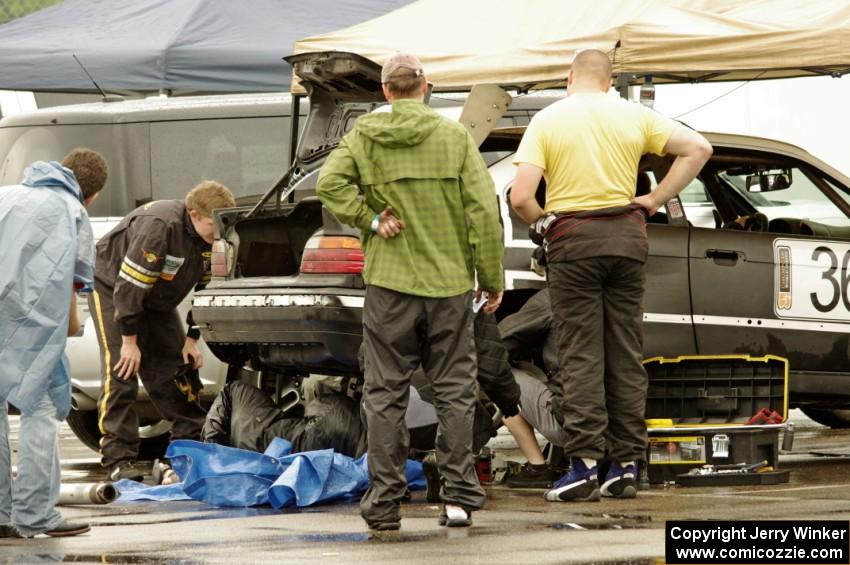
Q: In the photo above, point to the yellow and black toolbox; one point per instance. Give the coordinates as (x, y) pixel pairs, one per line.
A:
(713, 419)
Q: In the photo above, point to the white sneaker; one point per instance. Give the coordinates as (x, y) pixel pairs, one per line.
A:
(455, 516)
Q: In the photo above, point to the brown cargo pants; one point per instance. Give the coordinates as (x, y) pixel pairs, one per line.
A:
(400, 332)
(160, 339)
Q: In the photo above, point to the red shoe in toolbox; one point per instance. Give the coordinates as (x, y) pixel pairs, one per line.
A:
(765, 416)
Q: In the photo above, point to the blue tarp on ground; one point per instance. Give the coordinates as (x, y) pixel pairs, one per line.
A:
(226, 476)
(186, 46)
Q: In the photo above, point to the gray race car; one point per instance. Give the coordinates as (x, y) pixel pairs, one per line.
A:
(762, 270)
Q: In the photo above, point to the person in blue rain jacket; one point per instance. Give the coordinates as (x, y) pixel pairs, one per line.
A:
(46, 256)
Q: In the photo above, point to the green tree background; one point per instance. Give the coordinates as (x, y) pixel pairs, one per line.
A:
(11, 9)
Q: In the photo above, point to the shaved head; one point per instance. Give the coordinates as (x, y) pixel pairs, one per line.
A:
(591, 66)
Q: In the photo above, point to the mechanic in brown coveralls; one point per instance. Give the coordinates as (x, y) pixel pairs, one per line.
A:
(146, 266)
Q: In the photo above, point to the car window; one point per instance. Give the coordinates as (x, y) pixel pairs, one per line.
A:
(492, 157)
(248, 155)
(694, 193)
(802, 200)
(699, 209)
(124, 146)
(842, 192)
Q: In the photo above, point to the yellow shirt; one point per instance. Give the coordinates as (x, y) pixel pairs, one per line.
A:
(589, 146)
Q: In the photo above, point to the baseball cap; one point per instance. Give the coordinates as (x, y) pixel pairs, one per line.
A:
(401, 66)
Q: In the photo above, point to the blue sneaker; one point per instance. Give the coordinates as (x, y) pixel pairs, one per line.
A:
(620, 481)
(578, 485)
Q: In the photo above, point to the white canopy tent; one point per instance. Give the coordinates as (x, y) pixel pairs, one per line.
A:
(530, 44)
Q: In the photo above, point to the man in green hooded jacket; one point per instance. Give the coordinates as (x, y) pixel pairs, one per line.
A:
(418, 189)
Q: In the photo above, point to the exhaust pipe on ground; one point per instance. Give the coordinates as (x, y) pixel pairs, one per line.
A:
(87, 493)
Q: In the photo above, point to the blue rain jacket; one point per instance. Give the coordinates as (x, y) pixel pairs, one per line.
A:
(46, 249)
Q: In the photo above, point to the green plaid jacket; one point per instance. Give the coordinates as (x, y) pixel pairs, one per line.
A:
(429, 170)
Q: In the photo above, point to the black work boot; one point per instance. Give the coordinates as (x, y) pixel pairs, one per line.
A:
(126, 469)
(432, 477)
(532, 476)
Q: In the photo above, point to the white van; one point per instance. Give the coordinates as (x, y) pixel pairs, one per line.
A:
(156, 148)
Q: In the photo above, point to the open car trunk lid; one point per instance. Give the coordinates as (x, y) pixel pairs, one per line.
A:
(341, 86)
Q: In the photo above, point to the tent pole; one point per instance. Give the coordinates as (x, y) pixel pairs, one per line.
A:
(622, 85)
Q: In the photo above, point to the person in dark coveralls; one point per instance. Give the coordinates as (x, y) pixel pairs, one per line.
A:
(417, 187)
(47, 256)
(588, 147)
(146, 266)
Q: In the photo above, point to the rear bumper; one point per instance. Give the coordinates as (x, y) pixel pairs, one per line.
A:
(307, 330)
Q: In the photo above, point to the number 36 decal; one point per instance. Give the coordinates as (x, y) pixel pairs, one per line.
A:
(811, 279)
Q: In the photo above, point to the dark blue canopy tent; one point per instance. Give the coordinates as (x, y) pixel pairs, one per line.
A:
(185, 46)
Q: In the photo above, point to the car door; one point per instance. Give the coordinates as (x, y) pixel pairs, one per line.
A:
(667, 325)
(780, 287)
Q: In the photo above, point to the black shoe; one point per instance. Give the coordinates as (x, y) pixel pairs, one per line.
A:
(384, 526)
(432, 478)
(66, 528)
(532, 476)
(9, 532)
(125, 470)
(455, 516)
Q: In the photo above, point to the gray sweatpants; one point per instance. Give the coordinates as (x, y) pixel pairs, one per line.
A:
(535, 401)
(400, 332)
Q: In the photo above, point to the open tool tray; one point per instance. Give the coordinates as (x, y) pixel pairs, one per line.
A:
(698, 409)
(733, 479)
(715, 390)
(672, 452)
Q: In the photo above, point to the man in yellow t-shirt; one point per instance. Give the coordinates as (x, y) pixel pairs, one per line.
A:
(587, 147)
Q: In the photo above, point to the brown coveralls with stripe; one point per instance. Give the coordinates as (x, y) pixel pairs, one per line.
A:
(145, 267)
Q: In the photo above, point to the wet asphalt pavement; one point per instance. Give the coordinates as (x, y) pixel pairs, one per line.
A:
(517, 526)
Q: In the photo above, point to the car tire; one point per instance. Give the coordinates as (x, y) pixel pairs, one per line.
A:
(153, 436)
(833, 418)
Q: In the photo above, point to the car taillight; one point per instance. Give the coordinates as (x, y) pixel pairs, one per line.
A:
(332, 254)
(221, 259)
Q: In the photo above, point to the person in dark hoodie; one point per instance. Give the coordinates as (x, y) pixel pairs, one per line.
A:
(47, 255)
(417, 187)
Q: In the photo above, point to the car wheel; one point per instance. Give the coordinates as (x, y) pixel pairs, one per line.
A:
(84, 426)
(153, 434)
(833, 418)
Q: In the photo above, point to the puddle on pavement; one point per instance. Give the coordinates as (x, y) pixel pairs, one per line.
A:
(384, 537)
(348, 537)
(603, 521)
(593, 526)
(455, 533)
(628, 561)
(640, 518)
(398, 536)
(209, 514)
(98, 558)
